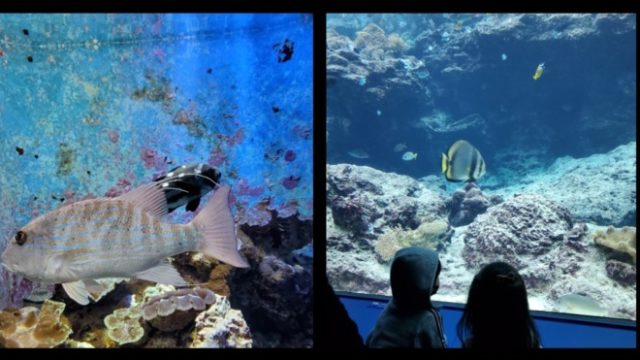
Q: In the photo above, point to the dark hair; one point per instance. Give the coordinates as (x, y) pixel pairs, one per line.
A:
(497, 311)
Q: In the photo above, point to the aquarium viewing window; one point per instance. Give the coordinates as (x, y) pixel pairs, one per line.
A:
(486, 137)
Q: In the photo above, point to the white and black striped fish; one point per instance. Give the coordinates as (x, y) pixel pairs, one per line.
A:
(463, 162)
(118, 237)
(186, 184)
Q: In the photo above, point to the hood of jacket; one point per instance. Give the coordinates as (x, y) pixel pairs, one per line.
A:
(414, 271)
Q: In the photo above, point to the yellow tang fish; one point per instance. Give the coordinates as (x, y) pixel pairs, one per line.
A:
(539, 71)
(118, 237)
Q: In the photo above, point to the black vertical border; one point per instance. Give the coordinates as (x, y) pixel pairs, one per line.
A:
(319, 171)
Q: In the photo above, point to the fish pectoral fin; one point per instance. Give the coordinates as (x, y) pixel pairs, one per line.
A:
(193, 204)
(77, 291)
(164, 273)
(94, 287)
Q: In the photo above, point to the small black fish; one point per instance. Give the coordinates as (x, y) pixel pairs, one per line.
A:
(35, 198)
(19, 150)
(88, 172)
(54, 197)
(30, 58)
(25, 31)
(61, 199)
(275, 109)
(286, 52)
(209, 70)
(35, 156)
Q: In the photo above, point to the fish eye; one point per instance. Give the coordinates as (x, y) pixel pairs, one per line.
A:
(21, 237)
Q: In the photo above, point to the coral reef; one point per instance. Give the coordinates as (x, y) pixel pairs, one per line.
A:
(221, 327)
(275, 295)
(518, 231)
(121, 130)
(30, 327)
(174, 310)
(375, 66)
(73, 344)
(599, 178)
(364, 208)
(123, 326)
(360, 211)
(467, 203)
(570, 192)
(623, 273)
(621, 240)
(433, 234)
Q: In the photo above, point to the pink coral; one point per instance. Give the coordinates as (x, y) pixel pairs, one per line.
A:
(289, 155)
(120, 188)
(148, 156)
(245, 189)
(217, 157)
(290, 182)
(13, 289)
(113, 136)
(234, 139)
(302, 131)
(288, 209)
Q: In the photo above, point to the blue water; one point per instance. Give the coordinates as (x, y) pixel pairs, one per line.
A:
(386, 73)
(188, 87)
(584, 103)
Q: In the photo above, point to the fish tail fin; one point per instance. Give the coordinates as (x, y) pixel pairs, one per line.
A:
(215, 224)
(444, 162)
(416, 156)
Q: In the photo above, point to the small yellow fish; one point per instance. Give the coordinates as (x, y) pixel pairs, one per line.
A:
(539, 71)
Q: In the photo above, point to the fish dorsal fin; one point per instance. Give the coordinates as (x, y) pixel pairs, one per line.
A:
(77, 291)
(193, 204)
(149, 197)
(163, 273)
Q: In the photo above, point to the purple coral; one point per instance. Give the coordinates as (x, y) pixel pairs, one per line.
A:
(623, 273)
(289, 155)
(217, 157)
(152, 159)
(245, 189)
(182, 300)
(302, 131)
(467, 203)
(113, 136)
(291, 182)
(234, 139)
(172, 310)
(13, 289)
(288, 209)
(148, 157)
(123, 186)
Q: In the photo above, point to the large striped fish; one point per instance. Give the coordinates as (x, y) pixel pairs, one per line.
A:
(118, 237)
